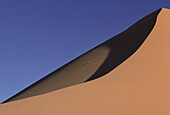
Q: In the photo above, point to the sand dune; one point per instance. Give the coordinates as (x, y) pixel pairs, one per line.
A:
(138, 86)
(96, 62)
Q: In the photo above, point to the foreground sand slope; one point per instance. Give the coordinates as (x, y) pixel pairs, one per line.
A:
(139, 86)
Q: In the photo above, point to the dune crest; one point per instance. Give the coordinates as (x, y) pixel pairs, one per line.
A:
(138, 86)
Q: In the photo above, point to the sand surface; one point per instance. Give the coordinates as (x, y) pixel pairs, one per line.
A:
(138, 86)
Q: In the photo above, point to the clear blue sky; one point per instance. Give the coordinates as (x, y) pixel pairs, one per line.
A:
(39, 36)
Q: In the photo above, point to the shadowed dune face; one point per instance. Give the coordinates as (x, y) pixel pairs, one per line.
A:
(125, 44)
(138, 86)
(95, 63)
(73, 73)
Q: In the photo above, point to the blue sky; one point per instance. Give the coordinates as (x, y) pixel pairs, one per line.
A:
(39, 36)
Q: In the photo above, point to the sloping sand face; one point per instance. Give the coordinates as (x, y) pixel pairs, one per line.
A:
(139, 86)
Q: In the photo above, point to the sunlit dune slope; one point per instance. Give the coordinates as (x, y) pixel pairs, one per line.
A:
(138, 86)
(96, 62)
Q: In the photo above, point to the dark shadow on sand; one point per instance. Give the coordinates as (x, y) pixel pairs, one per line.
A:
(125, 44)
